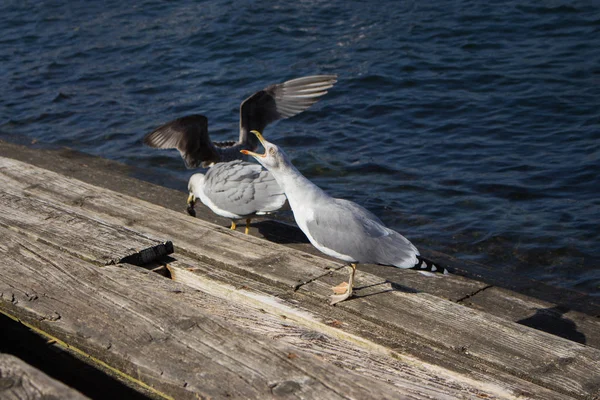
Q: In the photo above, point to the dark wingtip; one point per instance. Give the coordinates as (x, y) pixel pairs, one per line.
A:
(147, 141)
(424, 264)
(151, 138)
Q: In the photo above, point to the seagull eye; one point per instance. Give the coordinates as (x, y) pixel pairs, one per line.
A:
(272, 151)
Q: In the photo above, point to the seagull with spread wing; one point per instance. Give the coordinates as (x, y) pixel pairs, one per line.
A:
(235, 189)
(189, 134)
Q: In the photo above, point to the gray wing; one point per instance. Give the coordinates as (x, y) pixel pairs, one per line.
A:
(189, 135)
(243, 188)
(351, 230)
(279, 101)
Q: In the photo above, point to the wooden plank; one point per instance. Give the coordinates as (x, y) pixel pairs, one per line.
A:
(453, 289)
(269, 316)
(542, 315)
(93, 236)
(545, 359)
(325, 321)
(166, 342)
(64, 365)
(534, 289)
(21, 381)
(430, 322)
(252, 255)
(68, 230)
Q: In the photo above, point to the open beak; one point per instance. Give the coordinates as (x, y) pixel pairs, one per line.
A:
(262, 141)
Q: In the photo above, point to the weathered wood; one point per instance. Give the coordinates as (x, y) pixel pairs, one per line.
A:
(326, 323)
(149, 254)
(431, 380)
(534, 289)
(453, 332)
(165, 341)
(68, 230)
(542, 315)
(21, 381)
(545, 359)
(64, 365)
(245, 253)
(256, 311)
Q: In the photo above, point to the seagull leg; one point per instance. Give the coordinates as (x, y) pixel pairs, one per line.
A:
(343, 290)
(233, 226)
(248, 225)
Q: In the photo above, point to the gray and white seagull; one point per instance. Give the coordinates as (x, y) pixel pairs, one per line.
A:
(189, 134)
(236, 190)
(338, 227)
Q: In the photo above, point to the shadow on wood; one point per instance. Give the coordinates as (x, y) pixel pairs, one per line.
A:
(385, 286)
(19, 341)
(551, 320)
(280, 233)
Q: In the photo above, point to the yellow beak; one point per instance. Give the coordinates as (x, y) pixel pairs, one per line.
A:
(262, 141)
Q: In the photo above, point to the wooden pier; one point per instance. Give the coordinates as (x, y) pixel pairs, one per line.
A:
(228, 315)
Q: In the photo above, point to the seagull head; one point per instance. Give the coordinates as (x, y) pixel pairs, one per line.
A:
(195, 185)
(273, 158)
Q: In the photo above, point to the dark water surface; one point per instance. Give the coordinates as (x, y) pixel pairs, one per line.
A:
(471, 127)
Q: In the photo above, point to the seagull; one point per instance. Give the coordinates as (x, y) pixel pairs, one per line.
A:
(337, 227)
(236, 190)
(189, 134)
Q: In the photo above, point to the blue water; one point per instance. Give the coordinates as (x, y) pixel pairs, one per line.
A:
(471, 127)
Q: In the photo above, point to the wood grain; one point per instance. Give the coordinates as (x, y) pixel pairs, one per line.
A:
(96, 240)
(550, 361)
(557, 319)
(329, 326)
(164, 340)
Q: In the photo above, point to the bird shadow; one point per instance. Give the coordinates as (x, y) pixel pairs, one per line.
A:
(551, 320)
(393, 287)
(281, 233)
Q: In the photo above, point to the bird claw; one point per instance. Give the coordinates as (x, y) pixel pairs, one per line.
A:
(336, 298)
(341, 291)
(341, 288)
